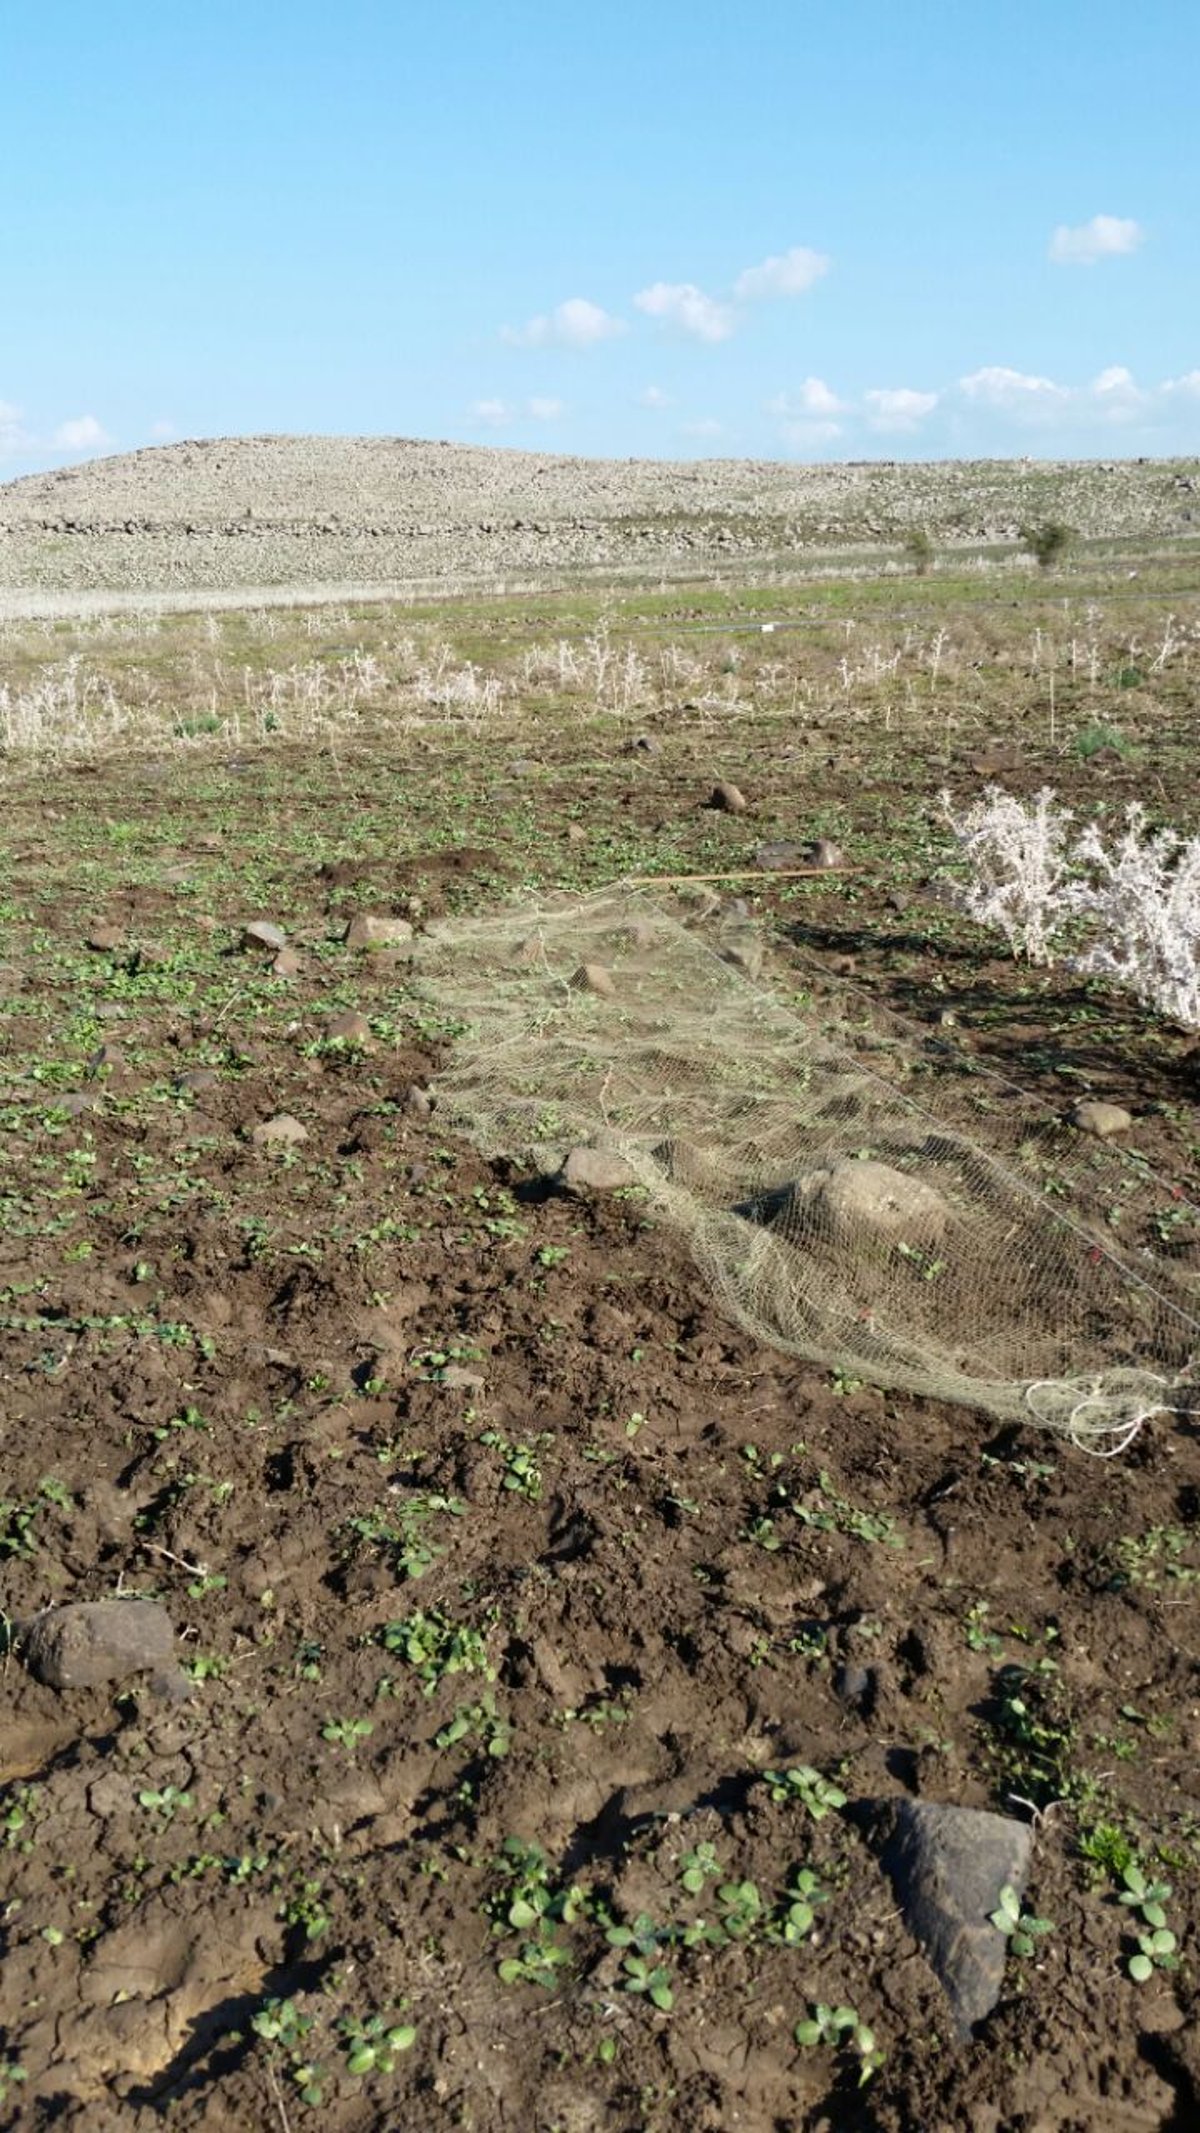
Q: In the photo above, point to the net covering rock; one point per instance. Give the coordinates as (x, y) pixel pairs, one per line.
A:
(852, 1198)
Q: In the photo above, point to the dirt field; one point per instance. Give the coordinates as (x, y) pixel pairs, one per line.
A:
(509, 1579)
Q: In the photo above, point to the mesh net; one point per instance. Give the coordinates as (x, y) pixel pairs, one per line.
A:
(853, 1196)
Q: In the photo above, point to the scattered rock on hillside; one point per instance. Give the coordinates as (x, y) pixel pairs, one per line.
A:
(595, 977)
(351, 1028)
(371, 931)
(416, 1101)
(867, 1195)
(261, 937)
(727, 799)
(745, 952)
(105, 938)
(771, 857)
(823, 852)
(197, 1079)
(948, 1866)
(594, 1170)
(283, 1131)
(79, 1102)
(87, 1643)
(287, 964)
(1101, 1119)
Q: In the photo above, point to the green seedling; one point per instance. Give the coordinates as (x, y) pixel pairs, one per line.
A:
(435, 1647)
(529, 1903)
(796, 1915)
(653, 1979)
(805, 1784)
(482, 1720)
(1021, 1929)
(741, 1909)
(166, 1803)
(347, 1732)
(283, 2029)
(838, 2029)
(373, 2046)
(699, 1866)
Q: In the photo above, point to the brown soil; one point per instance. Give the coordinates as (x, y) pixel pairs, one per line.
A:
(274, 1389)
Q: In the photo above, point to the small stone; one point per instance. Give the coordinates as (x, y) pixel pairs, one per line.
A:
(106, 1059)
(80, 1102)
(465, 1380)
(594, 1170)
(825, 853)
(263, 938)
(351, 1028)
(283, 1132)
(771, 857)
(368, 931)
(197, 1079)
(643, 744)
(416, 1101)
(746, 954)
(576, 833)
(287, 964)
(89, 1642)
(595, 977)
(856, 1687)
(1101, 1119)
(727, 799)
(105, 938)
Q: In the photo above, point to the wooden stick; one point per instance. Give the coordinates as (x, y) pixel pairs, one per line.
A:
(650, 881)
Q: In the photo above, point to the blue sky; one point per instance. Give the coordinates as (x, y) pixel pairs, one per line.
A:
(878, 231)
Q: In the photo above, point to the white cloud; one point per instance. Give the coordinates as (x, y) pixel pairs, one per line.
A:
(1104, 237)
(14, 437)
(654, 396)
(81, 434)
(814, 398)
(683, 305)
(1012, 390)
(1189, 383)
(577, 323)
(898, 407)
(497, 414)
(806, 437)
(785, 274)
(1118, 393)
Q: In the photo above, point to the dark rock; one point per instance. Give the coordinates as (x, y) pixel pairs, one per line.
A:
(856, 1687)
(89, 1642)
(948, 1866)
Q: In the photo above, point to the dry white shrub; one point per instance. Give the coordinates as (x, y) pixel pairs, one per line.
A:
(1143, 898)
(1020, 862)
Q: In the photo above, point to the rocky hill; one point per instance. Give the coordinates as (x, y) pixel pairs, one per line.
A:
(227, 513)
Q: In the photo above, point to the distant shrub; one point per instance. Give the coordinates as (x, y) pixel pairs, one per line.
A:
(918, 547)
(1047, 542)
